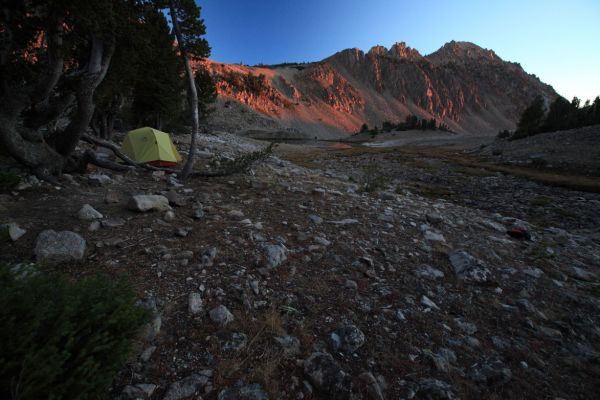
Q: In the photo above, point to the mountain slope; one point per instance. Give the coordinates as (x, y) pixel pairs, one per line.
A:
(467, 87)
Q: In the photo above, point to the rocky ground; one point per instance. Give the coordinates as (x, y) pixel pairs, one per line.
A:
(291, 282)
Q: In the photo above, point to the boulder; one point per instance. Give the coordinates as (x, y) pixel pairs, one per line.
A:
(274, 255)
(221, 315)
(468, 267)
(143, 203)
(59, 246)
(88, 213)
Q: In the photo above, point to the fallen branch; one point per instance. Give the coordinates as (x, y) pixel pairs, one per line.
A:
(230, 167)
(239, 164)
(116, 149)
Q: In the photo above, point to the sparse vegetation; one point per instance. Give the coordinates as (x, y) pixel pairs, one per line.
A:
(8, 180)
(411, 122)
(373, 179)
(63, 340)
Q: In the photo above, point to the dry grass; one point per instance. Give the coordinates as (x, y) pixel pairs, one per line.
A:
(470, 165)
(260, 355)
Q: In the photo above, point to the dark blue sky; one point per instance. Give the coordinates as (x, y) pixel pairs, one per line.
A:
(557, 40)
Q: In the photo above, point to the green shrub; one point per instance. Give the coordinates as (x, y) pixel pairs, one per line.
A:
(63, 340)
(373, 180)
(8, 180)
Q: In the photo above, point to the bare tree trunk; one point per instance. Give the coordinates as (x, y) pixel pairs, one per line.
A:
(192, 94)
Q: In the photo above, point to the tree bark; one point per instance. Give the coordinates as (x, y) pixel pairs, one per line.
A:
(192, 94)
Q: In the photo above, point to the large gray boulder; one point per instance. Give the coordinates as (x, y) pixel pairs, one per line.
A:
(59, 246)
(148, 202)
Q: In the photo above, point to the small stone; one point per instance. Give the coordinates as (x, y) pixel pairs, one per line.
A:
(12, 230)
(145, 203)
(235, 215)
(490, 373)
(434, 236)
(427, 302)
(112, 197)
(435, 389)
(221, 315)
(113, 222)
(152, 328)
(347, 339)
(274, 255)
(182, 232)
(169, 216)
(175, 199)
(327, 376)
(198, 213)
(254, 285)
(99, 179)
(94, 226)
(147, 353)
(347, 221)
(59, 246)
(186, 387)
(387, 196)
(289, 344)
(322, 241)
(468, 267)
(232, 341)
(433, 217)
(467, 327)
(195, 303)
(428, 272)
(315, 219)
(583, 275)
(350, 284)
(139, 391)
(247, 392)
(208, 256)
(88, 213)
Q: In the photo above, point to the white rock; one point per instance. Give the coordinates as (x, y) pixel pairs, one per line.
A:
(195, 303)
(144, 203)
(427, 302)
(88, 213)
(13, 231)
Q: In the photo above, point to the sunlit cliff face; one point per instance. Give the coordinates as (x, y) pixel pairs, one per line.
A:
(469, 88)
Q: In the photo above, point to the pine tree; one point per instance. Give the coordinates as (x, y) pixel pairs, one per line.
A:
(532, 118)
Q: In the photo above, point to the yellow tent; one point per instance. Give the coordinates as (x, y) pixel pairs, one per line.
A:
(151, 146)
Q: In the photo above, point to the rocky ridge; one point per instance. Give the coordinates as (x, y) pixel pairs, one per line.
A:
(467, 87)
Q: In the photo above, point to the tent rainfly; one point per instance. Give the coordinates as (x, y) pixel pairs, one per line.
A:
(149, 145)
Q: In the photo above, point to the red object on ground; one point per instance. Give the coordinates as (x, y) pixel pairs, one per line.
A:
(161, 163)
(519, 233)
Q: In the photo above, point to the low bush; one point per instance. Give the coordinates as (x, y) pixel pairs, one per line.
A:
(8, 180)
(61, 339)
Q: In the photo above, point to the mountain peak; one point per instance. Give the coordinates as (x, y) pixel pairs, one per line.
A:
(462, 52)
(401, 50)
